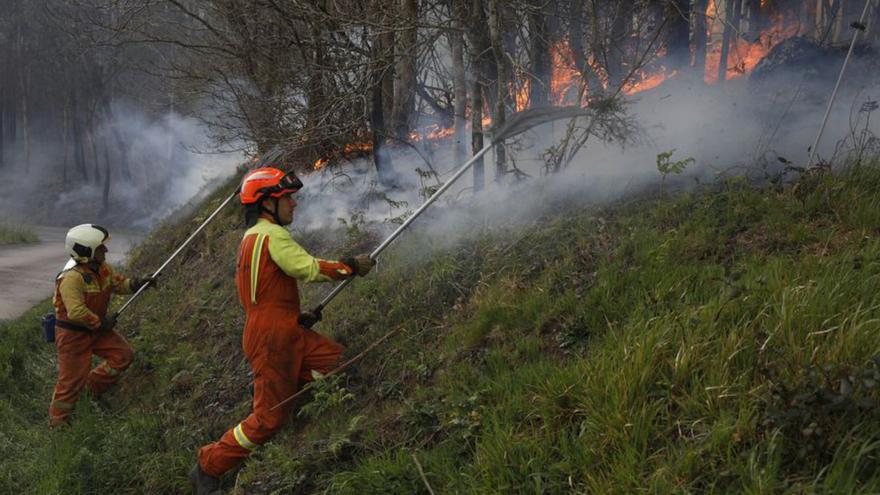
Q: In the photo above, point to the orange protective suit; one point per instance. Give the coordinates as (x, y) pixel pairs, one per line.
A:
(281, 353)
(82, 295)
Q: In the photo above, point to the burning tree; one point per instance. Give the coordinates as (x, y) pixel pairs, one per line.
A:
(332, 78)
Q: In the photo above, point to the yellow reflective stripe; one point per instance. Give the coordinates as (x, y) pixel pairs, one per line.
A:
(255, 265)
(242, 439)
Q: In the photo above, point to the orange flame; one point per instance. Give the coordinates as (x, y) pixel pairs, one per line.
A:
(432, 132)
(521, 95)
(645, 81)
(321, 163)
(744, 55)
(566, 80)
(358, 147)
(565, 76)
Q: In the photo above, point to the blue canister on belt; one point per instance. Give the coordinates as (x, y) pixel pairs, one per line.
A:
(48, 323)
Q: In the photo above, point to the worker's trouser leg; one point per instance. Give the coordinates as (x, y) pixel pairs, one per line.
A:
(75, 351)
(277, 373)
(117, 357)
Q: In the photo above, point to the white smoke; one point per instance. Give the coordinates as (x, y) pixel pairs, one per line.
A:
(169, 162)
(738, 128)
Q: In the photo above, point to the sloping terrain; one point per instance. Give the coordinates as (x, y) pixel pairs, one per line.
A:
(718, 341)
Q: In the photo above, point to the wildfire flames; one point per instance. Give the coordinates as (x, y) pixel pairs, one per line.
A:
(348, 150)
(566, 82)
(744, 55)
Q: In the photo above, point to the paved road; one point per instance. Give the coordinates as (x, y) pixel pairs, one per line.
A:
(27, 271)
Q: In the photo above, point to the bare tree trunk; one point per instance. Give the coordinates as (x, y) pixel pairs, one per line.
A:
(829, 20)
(803, 18)
(678, 45)
(757, 19)
(874, 28)
(478, 46)
(2, 127)
(105, 197)
(618, 46)
(576, 43)
(839, 26)
(495, 32)
(317, 98)
(90, 137)
(24, 77)
(405, 70)
(79, 155)
(123, 164)
(700, 37)
(386, 57)
(731, 23)
(482, 62)
(65, 148)
(459, 79)
(539, 55)
(576, 34)
(477, 134)
(379, 107)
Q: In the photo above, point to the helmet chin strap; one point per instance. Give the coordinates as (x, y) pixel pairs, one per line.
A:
(273, 213)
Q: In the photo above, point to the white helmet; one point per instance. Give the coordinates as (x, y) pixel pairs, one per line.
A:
(82, 241)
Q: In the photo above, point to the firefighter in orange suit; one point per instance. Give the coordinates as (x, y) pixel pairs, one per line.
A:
(281, 353)
(83, 327)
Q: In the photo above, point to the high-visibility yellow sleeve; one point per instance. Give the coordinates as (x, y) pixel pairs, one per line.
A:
(72, 288)
(292, 258)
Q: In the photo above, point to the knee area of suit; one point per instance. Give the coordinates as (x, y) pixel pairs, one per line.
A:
(125, 359)
(271, 422)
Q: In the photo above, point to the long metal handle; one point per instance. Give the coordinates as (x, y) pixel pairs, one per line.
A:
(852, 45)
(394, 235)
(182, 246)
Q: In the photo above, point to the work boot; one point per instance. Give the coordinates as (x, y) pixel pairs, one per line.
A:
(202, 482)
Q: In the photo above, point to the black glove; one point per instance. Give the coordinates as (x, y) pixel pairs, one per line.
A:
(361, 264)
(108, 323)
(138, 282)
(309, 318)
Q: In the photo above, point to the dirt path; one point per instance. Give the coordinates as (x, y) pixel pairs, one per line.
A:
(27, 271)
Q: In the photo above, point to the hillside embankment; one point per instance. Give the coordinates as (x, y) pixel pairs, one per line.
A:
(717, 341)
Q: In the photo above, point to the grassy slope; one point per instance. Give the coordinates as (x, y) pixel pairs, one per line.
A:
(718, 342)
(13, 233)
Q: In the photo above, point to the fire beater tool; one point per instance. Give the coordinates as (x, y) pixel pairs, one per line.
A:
(858, 27)
(516, 124)
(270, 156)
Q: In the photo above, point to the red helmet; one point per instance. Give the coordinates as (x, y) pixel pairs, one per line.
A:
(267, 182)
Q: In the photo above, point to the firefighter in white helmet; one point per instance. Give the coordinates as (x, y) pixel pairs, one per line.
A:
(83, 327)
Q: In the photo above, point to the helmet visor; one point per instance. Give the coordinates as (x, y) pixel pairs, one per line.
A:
(288, 184)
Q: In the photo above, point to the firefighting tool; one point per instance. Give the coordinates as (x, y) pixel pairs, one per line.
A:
(515, 124)
(858, 27)
(271, 156)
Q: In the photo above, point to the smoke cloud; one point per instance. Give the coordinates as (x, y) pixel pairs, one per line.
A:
(744, 127)
(168, 161)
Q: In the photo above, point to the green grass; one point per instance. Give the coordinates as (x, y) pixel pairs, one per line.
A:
(715, 342)
(15, 233)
